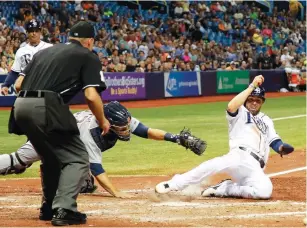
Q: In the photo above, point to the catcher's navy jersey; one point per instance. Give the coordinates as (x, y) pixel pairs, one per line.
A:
(90, 134)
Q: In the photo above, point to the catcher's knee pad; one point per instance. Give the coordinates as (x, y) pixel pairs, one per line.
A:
(17, 166)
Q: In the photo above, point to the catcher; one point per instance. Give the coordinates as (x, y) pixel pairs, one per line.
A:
(122, 125)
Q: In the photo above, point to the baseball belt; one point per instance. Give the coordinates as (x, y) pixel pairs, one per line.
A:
(259, 159)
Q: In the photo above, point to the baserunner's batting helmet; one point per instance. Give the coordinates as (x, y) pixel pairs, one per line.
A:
(259, 92)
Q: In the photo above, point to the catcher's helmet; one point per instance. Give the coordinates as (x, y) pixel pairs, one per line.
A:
(119, 118)
(259, 92)
(33, 25)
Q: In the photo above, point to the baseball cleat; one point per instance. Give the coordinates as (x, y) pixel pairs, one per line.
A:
(211, 191)
(163, 187)
(65, 217)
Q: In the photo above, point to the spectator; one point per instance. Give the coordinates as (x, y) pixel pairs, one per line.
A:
(267, 62)
(222, 66)
(178, 10)
(286, 58)
(3, 24)
(232, 66)
(260, 60)
(3, 68)
(257, 38)
(19, 27)
(270, 42)
(243, 66)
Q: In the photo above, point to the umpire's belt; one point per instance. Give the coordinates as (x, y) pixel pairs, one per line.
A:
(259, 159)
(30, 93)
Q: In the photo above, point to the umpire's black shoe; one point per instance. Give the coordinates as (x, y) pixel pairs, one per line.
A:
(45, 212)
(64, 217)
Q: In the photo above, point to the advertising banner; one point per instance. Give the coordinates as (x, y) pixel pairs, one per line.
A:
(231, 81)
(124, 86)
(182, 84)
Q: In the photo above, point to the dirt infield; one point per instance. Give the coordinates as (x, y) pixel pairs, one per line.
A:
(20, 198)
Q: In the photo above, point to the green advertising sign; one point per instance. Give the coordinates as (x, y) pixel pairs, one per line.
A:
(231, 81)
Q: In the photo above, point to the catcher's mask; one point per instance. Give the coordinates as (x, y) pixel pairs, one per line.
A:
(257, 97)
(119, 118)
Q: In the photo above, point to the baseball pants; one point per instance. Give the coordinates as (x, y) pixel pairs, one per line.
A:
(248, 179)
(64, 157)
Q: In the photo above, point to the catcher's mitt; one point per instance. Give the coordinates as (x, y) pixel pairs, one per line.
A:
(189, 141)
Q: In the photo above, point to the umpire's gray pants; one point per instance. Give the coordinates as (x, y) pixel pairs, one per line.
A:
(65, 159)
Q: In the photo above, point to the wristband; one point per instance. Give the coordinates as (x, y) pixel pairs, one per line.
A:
(252, 86)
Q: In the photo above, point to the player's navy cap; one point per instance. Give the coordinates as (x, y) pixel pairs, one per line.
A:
(82, 29)
(33, 24)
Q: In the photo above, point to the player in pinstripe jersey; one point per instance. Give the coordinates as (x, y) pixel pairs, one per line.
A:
(251, 134)
(25, 54)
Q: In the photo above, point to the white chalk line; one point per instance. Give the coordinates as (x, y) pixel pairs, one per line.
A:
(219, 204)
(167, 217)
(287, 171)
(288, 117)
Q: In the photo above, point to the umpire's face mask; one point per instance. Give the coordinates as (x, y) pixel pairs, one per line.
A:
(123, 132)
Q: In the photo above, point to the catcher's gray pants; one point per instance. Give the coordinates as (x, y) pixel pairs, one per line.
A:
(9, 163)
(65, 159)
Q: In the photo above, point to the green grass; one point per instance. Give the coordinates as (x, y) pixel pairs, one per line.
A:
(141, 156)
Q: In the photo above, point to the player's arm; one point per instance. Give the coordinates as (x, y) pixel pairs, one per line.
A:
(239, 100)
(141, 130)
(184, 138)
(9, 80)
(18, 82)
(104, 181)
(280, 147)
(12, 75)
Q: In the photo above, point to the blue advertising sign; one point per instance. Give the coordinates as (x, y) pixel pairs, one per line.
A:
(181, 84)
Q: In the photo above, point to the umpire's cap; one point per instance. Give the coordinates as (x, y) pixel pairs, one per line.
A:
(33, 25)
(82, 29)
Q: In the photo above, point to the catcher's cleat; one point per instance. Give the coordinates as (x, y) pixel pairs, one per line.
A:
(163, 188)
(211, 191)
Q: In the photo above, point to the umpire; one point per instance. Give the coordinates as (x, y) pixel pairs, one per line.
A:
(41, 112)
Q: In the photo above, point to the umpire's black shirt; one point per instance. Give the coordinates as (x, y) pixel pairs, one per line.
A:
(64, 69)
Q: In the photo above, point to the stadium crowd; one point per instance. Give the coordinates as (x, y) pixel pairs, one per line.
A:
(200, 36)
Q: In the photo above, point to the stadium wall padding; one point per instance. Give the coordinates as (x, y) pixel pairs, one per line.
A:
(201, 84)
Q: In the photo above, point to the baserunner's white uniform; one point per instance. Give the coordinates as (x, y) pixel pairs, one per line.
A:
(247, 134)
(86, 122)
